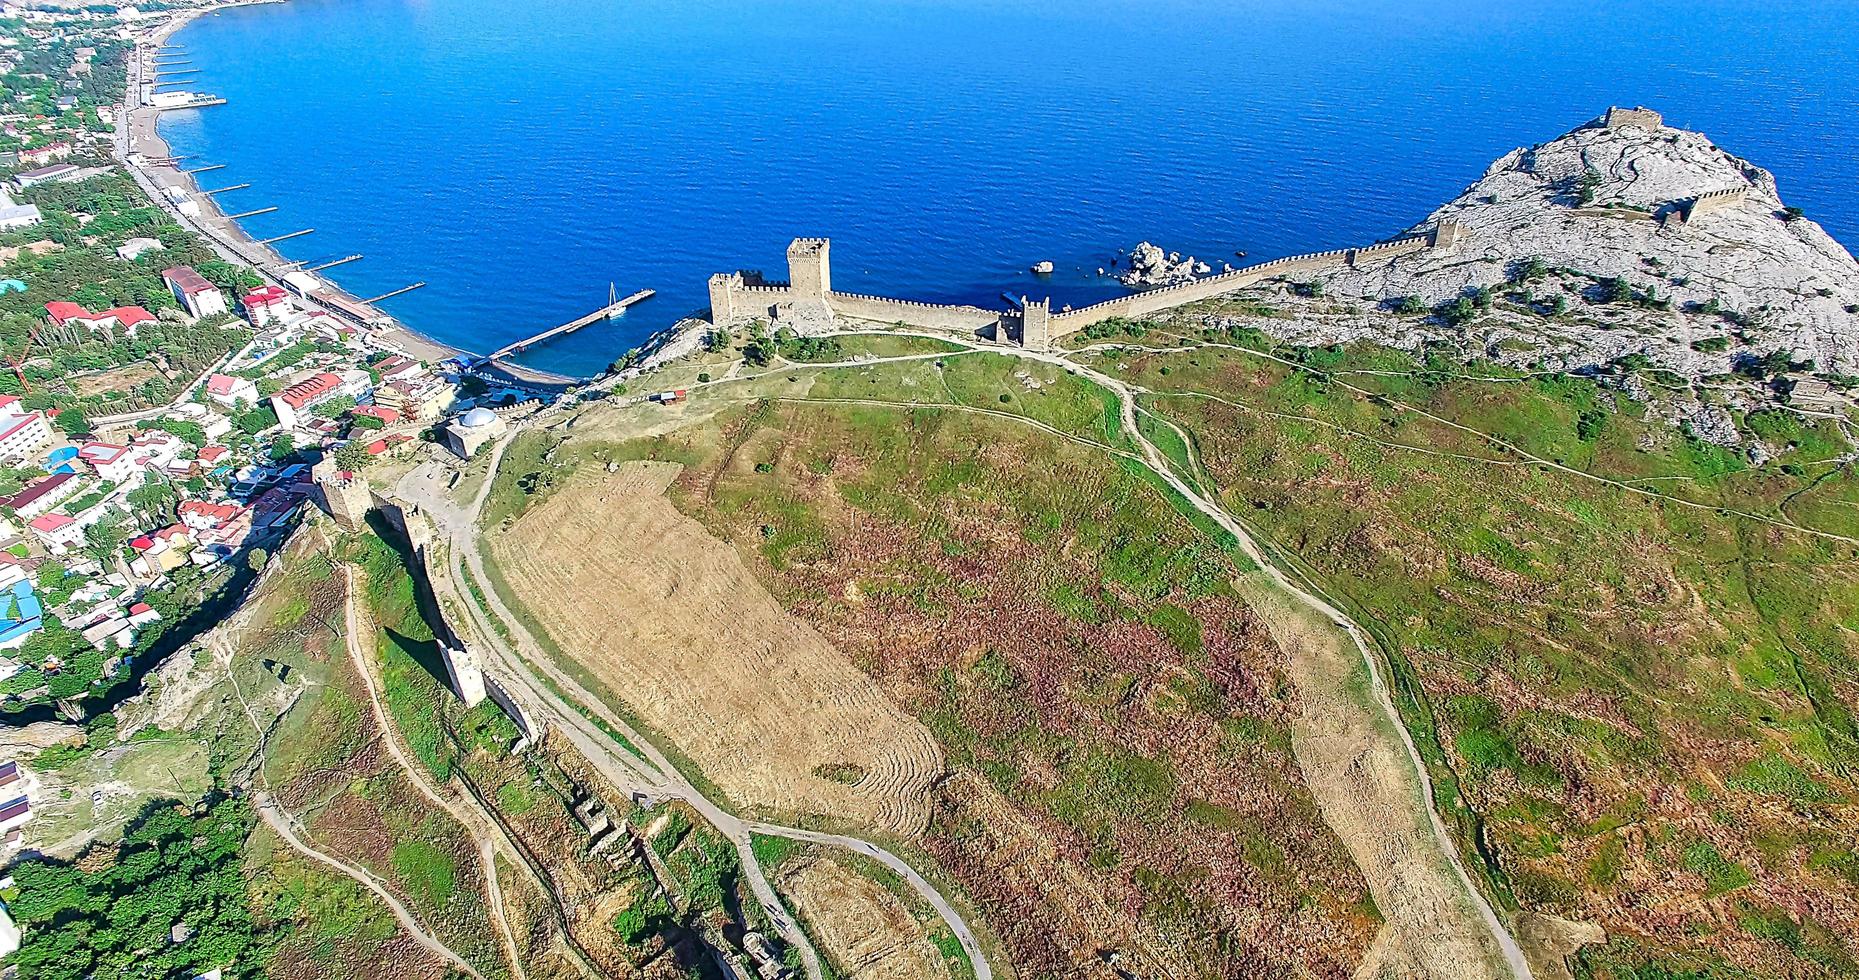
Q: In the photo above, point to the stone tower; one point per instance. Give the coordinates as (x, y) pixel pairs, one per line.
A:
(467, 675)
(723, 288)
(345, 495)
(1644, 118)
(1035, 323)
(810, 269)
(1446, 233)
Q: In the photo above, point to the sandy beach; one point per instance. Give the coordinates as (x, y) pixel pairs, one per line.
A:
(146, 155)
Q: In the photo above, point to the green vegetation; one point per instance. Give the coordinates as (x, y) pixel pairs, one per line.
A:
(110, 912)
(411, 664)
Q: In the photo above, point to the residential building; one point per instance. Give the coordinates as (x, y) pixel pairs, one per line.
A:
(124, 318)
(58, 533)
(14, 215)
(386, 416)
(45, 175)
(397, 368)
(198, 296)
(161, 551)
(43, 495)
(49, 153)
(423, 397)
(21, 615)
(292, 402)
(266, 305)
(111, 462)
(199, 515)
(132, 249)
(14, 813)
(230, 391)
(22, 435)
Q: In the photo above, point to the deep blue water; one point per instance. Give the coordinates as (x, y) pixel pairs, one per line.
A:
(518, 155)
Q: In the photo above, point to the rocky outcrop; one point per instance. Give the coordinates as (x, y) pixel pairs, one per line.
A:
(1699, 234)
(1149, 266)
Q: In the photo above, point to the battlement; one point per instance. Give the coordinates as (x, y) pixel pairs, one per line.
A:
(808, 246)
(1638, 116)
(810, 269)
(1687, 210)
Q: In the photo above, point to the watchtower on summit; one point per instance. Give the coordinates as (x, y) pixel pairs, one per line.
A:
(1639, 116)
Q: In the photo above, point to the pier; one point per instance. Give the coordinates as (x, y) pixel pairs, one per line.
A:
(612, 309)
(249, 214)
(171, 74)
(279, 238)
(201, 170)
(332, 263)
(222, 190)
(397, 292)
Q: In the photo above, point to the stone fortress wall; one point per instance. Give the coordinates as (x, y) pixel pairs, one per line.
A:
(736, 297)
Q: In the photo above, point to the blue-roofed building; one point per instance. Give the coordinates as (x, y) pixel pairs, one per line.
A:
(25, 614)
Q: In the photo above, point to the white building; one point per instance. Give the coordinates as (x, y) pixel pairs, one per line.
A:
(265, 305)
(13, 215)
(200, 297)
(229, 391)
(22, 435)
(132, 249)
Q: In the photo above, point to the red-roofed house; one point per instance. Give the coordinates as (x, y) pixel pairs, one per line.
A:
(58, 532)
(124, 318)
(386, 416)
(199, 515)
(161, 551)
(213, 454)
(397, 368)
(265, 304)
(294, 400)
(230, 391)
(200, 297)
(141, 613)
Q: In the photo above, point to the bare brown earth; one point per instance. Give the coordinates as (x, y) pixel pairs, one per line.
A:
(1124, 784)
(1354, 764)
(675, 625)
(866, 931)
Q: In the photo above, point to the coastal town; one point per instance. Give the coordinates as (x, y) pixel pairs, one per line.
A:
(166, 405)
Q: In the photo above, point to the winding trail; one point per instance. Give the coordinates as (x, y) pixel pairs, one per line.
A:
(287, 830)
(390, 737)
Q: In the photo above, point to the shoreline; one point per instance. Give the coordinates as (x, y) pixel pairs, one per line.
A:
(138, 140)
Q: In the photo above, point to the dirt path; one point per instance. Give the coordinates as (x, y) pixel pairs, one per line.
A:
(286, 827)
(1365, 769)
(390, 737)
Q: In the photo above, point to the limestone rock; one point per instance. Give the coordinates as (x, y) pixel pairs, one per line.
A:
(1150, 266)
(1620, 203)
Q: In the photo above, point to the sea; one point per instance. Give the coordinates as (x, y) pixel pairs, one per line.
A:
(521, 157)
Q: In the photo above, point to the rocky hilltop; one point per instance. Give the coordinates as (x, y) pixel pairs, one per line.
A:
(1702, 238)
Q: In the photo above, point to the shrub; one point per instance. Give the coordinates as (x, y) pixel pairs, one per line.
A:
(1409, 306)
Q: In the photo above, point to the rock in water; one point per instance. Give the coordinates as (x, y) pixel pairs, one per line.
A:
(1150, 267)
(1043, 268)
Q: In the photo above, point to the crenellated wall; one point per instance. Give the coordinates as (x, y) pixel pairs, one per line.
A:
(738, 296)
(932, 316)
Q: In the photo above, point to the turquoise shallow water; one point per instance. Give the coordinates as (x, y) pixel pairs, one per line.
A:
(519, 156)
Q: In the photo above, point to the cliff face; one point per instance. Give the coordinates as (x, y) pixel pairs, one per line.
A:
(1623, 202)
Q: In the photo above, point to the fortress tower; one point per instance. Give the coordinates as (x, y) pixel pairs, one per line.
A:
(466, 673)
(1446, 233)
(723, 287)
(344, 495)
(1640, 116)
(810, 269)
(1036, 323)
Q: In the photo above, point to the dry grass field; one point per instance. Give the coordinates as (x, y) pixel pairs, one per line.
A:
(867, 931)
(672, 622)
